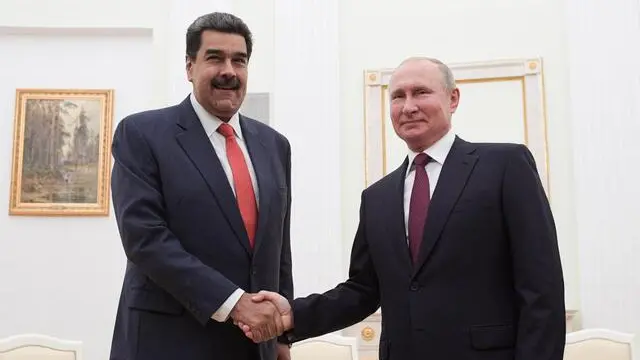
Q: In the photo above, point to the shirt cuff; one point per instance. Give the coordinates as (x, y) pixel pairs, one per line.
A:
(222, 314)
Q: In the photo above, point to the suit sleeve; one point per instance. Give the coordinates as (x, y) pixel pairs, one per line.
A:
(347, 303)
(537, 268)
(286, 273)
(147, 240)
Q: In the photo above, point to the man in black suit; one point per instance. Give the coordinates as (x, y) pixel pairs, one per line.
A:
(202, 201)
(457, 246)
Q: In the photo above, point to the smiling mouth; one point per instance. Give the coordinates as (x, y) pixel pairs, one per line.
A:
(226, 88)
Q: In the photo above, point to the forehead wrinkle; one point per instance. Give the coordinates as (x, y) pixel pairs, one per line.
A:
(408, 83)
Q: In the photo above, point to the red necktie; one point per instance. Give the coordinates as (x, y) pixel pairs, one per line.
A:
(242, 182)
(419, 205)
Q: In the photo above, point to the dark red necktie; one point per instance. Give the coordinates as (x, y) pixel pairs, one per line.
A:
(241, 181)
(419, 205)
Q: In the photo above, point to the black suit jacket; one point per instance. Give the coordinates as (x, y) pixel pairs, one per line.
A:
(488, 283)
(184, 238)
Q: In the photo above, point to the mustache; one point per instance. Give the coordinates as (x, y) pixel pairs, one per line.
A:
(226, 83)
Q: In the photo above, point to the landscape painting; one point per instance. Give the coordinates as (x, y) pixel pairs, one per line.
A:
(61, 152)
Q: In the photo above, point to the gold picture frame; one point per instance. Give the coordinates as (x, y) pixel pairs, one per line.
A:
(61, 152)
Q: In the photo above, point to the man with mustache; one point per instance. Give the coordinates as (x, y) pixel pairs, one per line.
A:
(457, 245)
(202, 200)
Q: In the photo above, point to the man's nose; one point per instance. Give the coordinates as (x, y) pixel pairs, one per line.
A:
(409, 107)
(227, 69)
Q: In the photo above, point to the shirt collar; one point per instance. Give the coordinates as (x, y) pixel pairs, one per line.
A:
(210, 123)
(438, 151)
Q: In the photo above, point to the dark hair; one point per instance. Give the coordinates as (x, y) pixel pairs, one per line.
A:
(217, 21)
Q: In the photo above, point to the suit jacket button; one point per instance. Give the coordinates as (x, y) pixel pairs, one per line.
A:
(414, 287)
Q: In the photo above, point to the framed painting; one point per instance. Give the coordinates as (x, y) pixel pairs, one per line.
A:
(61, 152)
(501, 101)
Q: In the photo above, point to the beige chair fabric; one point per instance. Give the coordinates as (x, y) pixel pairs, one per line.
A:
(598, 344)
(333, 347)
(39, 347)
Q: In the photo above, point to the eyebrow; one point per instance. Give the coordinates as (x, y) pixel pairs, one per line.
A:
(220, 52)
(396, 92)
(411, 89)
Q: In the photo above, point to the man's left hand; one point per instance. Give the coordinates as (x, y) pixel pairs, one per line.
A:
(283, 352)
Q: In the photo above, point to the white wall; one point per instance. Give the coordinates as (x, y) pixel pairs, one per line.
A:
(605, 92)
(62, 276)
(79, 13)
(259, 16)
(378, 34)
(300, 65)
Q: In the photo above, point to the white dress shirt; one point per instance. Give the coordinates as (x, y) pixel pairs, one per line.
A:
(210, 124)
(438, 153)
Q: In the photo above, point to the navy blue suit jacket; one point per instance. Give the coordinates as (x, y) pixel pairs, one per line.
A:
(184, 238)
(488, 283)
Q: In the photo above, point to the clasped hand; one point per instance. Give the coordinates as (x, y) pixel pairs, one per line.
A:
(262, 316)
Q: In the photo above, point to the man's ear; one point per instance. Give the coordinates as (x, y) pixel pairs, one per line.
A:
(189, 67)
(455, 100)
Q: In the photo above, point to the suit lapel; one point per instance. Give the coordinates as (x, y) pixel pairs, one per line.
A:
(193, 140)
(396, 217)
(260, 157)
(453, 178)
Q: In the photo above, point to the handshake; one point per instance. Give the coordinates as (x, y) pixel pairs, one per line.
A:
(262, 316)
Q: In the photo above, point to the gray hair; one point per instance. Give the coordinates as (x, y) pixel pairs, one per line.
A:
(447, 75)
